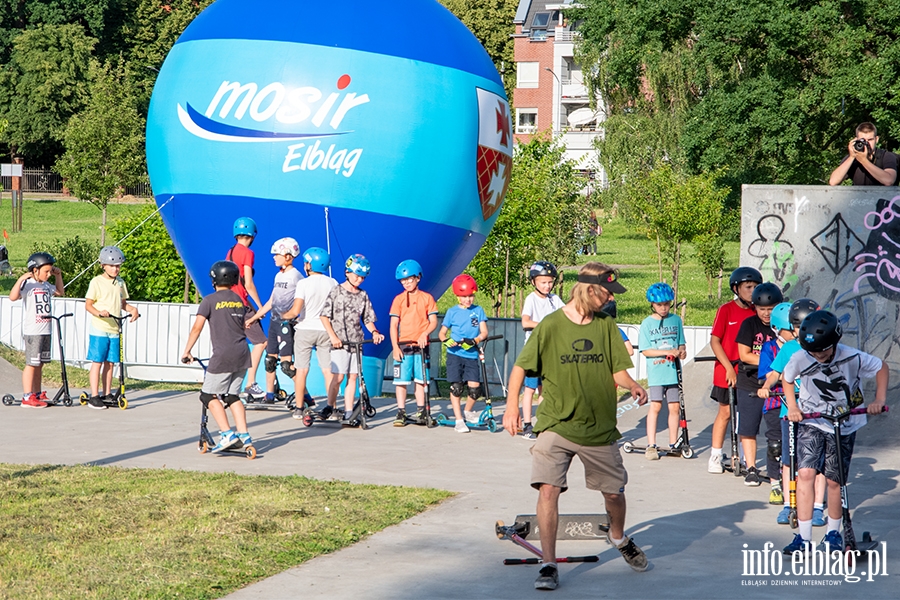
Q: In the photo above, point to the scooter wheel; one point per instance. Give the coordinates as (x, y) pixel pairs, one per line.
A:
(429, 422)
(370, 411)
(9, 400)
(687, 452)
(627, 447)
(281, 394)
(492, 425)
(83, 398)
(307, 420)
(440, 418)
(203, 448)
(794, 522)
(67, 401)
(866, 537)
(123, 402)
(250, 451)
(289, 403)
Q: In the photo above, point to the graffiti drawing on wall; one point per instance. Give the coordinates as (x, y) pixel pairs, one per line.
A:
(837, 244)
(776, 254)
(880, 263)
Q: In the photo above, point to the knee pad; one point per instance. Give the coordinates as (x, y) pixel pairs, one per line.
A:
(474, 392)
(271, 363)
(229, 399)
(206, 398)
(774, 451)
(458, 389)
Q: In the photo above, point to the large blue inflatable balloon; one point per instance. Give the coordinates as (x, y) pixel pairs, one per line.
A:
(364, 128)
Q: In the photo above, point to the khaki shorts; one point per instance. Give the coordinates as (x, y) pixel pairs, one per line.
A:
(223, 384)
(552, 454)
(307, 339)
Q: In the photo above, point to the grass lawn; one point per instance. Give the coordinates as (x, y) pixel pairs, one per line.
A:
(635, 257)
(102, 532)
(49, 220)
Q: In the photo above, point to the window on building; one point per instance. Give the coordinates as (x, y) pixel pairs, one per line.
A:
(539, 25)
(541, 20)
(526, 120)
(527, 74)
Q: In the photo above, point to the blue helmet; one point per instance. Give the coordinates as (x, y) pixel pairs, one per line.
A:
(318, 259)
(781, 316)
(660, 293)
(358, 265)
(244, 226)
(408, 268)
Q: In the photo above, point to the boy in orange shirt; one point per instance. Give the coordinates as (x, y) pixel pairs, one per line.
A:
(413, 318)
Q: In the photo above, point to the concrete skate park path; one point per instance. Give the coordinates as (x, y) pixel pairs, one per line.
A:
(693, 525)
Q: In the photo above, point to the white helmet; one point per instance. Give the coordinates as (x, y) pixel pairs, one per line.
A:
(111, 255)
(286, 245)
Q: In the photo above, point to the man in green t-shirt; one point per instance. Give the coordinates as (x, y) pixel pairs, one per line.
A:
(579, 355)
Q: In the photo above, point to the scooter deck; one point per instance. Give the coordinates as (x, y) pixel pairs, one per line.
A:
(570, 527)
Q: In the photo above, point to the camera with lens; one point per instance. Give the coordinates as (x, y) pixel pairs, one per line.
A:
(860, 145)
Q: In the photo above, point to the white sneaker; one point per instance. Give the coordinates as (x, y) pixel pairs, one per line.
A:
(461, 426)
(471, 416)
(715, 464)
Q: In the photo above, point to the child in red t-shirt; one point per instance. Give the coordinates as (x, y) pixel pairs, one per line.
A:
(240, 254)
(722, 342)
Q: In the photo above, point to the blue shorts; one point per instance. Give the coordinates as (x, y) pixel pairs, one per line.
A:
(103, 347)
(409, 369)
(532, 383)
(461, 369)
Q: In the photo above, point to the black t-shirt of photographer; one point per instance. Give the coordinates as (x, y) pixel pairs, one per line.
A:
(883, 160)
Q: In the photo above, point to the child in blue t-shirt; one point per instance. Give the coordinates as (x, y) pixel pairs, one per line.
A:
(773, 357)
(661, 339)
(464, 326)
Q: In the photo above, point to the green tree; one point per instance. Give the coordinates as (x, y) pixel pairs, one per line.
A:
(105, 142)
(43, 85)
(539, 220)
(676, 209)
(769, 92)
(492, 23)
(151, 31)
(153, 271)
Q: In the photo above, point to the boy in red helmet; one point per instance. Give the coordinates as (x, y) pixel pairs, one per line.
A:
(463, 327)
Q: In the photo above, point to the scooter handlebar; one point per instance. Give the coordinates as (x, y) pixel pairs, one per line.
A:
(860, 410)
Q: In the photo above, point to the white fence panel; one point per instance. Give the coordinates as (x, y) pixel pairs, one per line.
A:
(153, 343)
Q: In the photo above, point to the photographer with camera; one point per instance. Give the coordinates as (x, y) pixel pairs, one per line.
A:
(865, 164)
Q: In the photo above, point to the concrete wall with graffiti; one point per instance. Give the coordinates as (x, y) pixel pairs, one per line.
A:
(839, 246)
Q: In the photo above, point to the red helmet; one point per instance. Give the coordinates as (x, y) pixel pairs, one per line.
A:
(464, 285)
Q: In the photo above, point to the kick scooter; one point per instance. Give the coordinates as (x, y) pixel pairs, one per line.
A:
(62, 395)
(850, 542)
(206, 442)
(425, 357)
(734, 465)
(682, 445)
(116, 397)
(362, 409)
(486, 416)
(517, 532)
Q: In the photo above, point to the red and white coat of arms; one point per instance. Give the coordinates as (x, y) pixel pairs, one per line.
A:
(494, 161)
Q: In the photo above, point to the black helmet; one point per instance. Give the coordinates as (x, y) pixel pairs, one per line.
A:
(541, 267)
(38, 260)
(742, 274)
(800, 309)
(767, 294)
(819, 331)
(224, 273)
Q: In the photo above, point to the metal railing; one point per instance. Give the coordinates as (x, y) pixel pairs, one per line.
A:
(46, 181)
